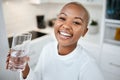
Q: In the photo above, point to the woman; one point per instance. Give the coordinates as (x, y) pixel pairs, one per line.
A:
(66, 59)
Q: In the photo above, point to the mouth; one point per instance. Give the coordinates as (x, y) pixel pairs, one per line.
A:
(65, 35)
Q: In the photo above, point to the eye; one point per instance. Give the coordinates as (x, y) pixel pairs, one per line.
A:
(61, 18)
(77, 23)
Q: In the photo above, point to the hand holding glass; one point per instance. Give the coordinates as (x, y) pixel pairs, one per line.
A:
(19, 51)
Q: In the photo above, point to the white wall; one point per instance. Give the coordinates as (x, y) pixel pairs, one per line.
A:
(4, 74)
(21, 15)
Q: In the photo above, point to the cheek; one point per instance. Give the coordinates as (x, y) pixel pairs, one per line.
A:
(78, 33)
(56, 27)
(57, 23)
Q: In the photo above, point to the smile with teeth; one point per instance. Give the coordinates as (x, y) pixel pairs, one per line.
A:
(65, 34)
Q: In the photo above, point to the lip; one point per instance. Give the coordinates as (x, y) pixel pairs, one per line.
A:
(64, 34)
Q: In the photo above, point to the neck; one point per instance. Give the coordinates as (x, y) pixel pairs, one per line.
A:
(64, 50)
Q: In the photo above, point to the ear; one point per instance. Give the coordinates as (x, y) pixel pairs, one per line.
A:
(85, 31)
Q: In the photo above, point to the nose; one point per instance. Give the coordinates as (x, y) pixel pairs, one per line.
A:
(67, 25)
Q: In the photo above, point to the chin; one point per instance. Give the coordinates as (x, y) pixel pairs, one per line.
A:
(66, 43)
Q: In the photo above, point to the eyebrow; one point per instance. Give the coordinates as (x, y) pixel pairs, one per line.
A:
(75, 17)
(79, 18)
(63, 14)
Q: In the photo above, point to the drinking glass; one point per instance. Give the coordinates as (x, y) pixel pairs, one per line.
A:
(19, 51)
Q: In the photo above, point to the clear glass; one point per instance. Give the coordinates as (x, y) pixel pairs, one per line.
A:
(19, 51)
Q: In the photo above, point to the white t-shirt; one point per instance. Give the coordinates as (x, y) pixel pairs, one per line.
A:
(77, 65)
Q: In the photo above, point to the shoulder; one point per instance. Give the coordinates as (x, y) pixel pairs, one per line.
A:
(50, 45)
(88, 60)
(90, 68)
(85, 54)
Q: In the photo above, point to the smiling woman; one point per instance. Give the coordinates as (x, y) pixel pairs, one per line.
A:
(66, 59)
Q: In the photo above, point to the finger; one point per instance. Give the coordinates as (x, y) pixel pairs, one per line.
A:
(7, 61)
(8, 55)
(8, 58)
(9, 52)
(7, 65)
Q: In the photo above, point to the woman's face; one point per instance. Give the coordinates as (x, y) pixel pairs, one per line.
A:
(70, 25)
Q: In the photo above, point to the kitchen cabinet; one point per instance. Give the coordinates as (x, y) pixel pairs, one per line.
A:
(91, 2)
(110, 33)
(87, 2)
(59, 1)
(82, 1)
(111, 22)
(110, 61)
(38, 1)
(110, 55)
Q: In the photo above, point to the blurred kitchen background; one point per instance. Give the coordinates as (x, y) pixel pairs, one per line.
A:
(38, 16)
